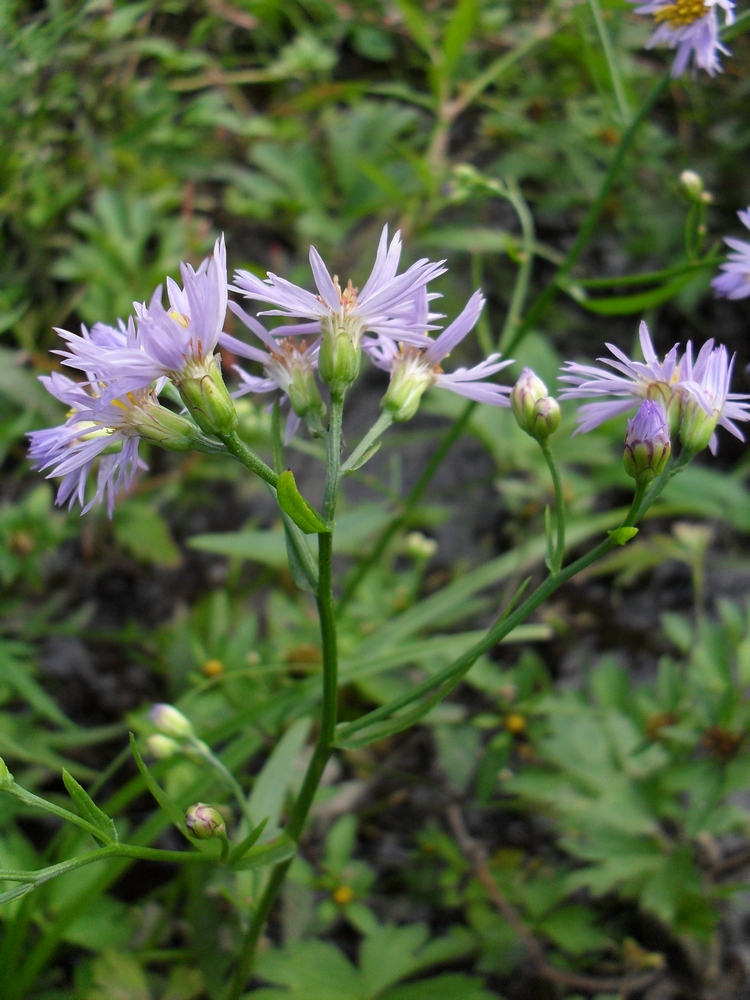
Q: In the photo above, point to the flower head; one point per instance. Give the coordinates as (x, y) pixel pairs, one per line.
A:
(734, 283)
(647, 444)
(708, 402)
(691, 27)
(104, 430)
(536, 412)
(629, 381)
(414, 369)
(383, 307)
(289, 366)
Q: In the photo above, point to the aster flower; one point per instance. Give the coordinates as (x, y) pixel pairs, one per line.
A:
(691, 27)
(106, 432)
(734, 283)
(629, 382)
(708, 403)
(383, 307)
(414, 369)
(289, 366)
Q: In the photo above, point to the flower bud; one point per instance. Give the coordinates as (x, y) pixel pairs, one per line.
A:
(162, 747)
(419, 546)
(171, 722)
(167, 429)
(692, 184)
(339, 358)
(409, 382)
(207, 398)
(536, 412)
(697, 426)
(304, 394)
(204, 822)
(647, 444)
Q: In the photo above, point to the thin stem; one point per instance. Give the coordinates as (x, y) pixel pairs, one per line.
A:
(279, 463)
(327, 731)
(205, 753)
(526, 262)
(239, 450)
(592, 217)
(381, 425)
(557, 557)
(613, 66)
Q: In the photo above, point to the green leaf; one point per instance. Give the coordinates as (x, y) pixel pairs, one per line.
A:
(272, 784)
(622, 535)
(266, 547)
(271, 853)
(89, 810)
(572, 929)
(625, 305)
(118, 976)
(451, 986)
(457, 35)
(312, 970)
(301, 563)
(294, 504)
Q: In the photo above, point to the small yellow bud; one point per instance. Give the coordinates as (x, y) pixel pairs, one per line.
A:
(515, 723)
(212, 668)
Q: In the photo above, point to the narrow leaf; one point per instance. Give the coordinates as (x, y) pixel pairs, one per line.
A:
(622, 535)
(170, 808)
(89, 810)
(272, 853)
(16, 892)
(294, 504)
(457, 34)
(301, 563)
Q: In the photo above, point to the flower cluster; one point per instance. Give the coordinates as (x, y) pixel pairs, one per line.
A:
(126, 367)
(691, 27)
(693, 394)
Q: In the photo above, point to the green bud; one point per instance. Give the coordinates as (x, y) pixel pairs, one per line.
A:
(536, 412)
(204, 822)
(419, 546)
(304, 394)
(696, 427)
(171, 722)
(162, 747)
(339, 359)
(204, 394)
(692, 184)
(409, 382)
(167, 429)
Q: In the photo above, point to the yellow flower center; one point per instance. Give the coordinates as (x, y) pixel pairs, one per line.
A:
(681, 13)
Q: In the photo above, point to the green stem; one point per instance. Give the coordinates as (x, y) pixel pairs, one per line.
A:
(381, 425)
(526, 262)
(327, 731)
(279, 463)
(557, 557)
(651, 277)
(612, 64)
(239, 450)
(592, 217)
(205, 753)
(451, 676)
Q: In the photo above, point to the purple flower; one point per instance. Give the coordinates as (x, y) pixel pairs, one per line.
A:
(289, 366)
(414, 369)
(629, 381)
(383, 306)
(734, 283)
(706, 385)
(175, 343)
(92, 432)
(691, 27)
(647, 444)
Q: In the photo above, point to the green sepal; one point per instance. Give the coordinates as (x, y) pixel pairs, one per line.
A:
(294, 504)
(622, 535)
(89, 810)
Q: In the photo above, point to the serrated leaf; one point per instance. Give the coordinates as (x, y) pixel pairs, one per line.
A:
(89, 810)
(294, 504)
